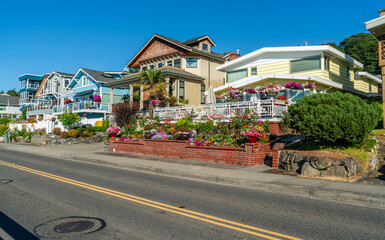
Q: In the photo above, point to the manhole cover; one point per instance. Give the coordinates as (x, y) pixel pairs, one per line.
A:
(69, 227)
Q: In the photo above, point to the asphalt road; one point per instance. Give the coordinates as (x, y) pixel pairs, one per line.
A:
(122, 204)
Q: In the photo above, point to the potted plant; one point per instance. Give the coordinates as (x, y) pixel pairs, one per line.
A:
(184, 133)
(113, 131)
(271, 90)
(156, 102)
(147, 131)
(68, 101)
(255, 133)
(309, 85)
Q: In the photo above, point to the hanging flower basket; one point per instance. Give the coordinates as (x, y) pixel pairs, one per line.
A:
(96, 98)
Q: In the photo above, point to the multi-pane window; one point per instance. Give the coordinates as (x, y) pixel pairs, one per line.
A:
(236, 75)
(205, 47)
(152, 66)
(85, 81)
(305, 64)
(169, 63)
(160, 65)
(181, 90)
(144, 68)
(191, 62)
(254, 71)
(203, 92)
(177, 63)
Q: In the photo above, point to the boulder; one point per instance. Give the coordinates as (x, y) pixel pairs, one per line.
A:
(351, 165)
(321, 163)
(335, 171)
(298, 157)
(308, 170)
(283, 157)
(296, 167)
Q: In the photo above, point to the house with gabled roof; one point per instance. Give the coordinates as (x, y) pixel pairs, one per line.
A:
(189, 67)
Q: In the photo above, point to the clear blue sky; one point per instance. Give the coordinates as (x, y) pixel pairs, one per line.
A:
(44, 36)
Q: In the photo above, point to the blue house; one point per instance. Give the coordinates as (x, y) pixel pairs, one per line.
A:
(29, 83)
(86, 87)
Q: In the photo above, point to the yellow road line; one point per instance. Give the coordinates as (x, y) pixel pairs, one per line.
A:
(155, 204)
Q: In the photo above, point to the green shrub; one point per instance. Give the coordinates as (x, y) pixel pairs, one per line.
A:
(3, 128)
(64, 134)
(5, 121)
(79, 129)
(56, 131)
(89, 129)
(68, 118)
(73, 133)
(88, 134)
(333, 118)
(24, 114)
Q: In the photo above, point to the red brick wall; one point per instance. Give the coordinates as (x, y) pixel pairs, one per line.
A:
(251, 155)
(277, 128)
(276, 152)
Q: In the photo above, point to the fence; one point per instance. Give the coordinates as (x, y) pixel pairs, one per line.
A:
(264, 108)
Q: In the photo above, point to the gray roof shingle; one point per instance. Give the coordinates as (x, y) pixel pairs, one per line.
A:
(13, 101)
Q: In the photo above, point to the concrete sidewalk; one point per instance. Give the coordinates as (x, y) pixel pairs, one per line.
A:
(256, 177)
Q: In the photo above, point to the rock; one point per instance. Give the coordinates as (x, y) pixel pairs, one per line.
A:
(372, 173)
(296, 167)
(321, 163)
(298, 157)
(308, 170)
(372, 163)
(351, 165)
(283, 157)
(312, 158)
(335, 171)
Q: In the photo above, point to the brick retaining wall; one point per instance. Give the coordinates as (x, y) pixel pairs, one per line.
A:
(251, 155)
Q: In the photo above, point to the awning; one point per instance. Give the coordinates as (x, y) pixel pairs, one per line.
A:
(67, 96)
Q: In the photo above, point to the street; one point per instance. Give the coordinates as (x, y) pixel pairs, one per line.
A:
(40, 193)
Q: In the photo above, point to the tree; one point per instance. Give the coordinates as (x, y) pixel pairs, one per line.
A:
(364, 48)
(153, 82)
(124, 114)
(13, 92)
(68, 118)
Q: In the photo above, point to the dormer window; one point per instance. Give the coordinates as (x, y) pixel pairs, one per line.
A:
(85, 81)
(191, 62)
(205, 47)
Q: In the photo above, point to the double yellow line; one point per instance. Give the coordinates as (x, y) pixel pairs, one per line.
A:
(184, 212)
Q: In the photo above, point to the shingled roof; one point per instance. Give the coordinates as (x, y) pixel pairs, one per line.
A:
(13, 101)
(99, 76)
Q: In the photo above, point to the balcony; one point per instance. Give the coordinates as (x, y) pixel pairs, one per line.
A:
(39, 110)
(84, 106)
(266, 109)
(26, 101)
(31, 86)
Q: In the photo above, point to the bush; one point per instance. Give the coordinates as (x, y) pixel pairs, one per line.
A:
(89, 129)
(124, 113)
(56, 131)
(64, 134)
(3, 128)
(333, 118)
(73, 133)
(88, 134)
(68, 118)
(98, 124)
(24, 114)
(5, 121)
(103, 127)
(79, 129)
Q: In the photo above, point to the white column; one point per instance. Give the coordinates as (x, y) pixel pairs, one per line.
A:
(141, 96)
(131, 95)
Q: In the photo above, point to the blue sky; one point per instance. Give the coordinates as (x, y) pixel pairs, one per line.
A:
(43, 36)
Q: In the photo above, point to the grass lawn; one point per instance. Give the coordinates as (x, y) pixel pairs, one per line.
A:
(362, 154)
(380, 132)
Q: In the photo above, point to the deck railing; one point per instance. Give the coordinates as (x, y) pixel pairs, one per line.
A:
(88, 106)
(264, 108)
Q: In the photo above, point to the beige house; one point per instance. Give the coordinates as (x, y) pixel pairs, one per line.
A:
(189, 67)
(328, 67)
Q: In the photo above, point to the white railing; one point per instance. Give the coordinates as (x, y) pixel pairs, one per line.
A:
(88, 106)
(264, 109)
(32, 85)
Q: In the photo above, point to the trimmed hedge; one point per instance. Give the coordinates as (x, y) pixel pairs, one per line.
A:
(334, 118)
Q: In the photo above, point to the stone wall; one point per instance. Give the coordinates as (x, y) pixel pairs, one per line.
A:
(307, 165)
(52, 139)
(251, 154)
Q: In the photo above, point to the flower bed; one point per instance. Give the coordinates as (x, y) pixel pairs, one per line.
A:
(250, 155)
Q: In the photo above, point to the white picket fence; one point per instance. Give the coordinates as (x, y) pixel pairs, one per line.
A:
(49, 125)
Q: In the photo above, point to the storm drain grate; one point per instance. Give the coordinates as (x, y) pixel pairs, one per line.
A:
(70, 227)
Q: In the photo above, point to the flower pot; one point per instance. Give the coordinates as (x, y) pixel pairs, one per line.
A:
(147, 135)
(184, 136)
(252, 139)
(112, 134)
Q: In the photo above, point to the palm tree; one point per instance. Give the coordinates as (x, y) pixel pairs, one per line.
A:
(153, 82)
